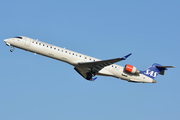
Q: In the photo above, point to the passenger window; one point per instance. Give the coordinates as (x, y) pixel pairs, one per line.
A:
(51, 47)
(39, 43)
(54, 48)
(36, 42)
(66, 51)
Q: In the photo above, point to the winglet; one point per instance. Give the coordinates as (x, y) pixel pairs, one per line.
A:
(94, 79)
(125, 57)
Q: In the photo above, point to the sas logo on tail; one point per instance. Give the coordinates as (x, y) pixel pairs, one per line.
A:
(151, 73)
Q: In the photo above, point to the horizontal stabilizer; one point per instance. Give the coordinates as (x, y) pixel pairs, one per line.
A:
(163, 68)
(166, 66)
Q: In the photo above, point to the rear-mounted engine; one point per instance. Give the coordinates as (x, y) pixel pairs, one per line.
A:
(131, 69)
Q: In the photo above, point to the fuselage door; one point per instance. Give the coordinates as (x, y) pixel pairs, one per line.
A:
(27, 41)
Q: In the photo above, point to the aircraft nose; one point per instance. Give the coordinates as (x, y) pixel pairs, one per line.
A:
(5, 40)
(153, 81)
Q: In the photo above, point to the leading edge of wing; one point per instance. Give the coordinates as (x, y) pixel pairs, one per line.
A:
(102, 63)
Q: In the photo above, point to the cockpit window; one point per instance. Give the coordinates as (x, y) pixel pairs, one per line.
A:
(18, 37)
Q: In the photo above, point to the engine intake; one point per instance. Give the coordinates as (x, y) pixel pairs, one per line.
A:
(131, 69)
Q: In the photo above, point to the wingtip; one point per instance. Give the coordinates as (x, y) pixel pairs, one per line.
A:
(94, 79)
(125, 57)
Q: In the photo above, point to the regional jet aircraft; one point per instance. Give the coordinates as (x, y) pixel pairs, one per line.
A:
(88, 66)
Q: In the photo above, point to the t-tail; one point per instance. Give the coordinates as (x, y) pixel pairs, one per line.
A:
(155, 69)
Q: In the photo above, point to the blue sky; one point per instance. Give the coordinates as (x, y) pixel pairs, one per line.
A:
(36, 87)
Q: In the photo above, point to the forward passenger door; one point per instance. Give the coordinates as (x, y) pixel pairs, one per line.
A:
(27, 42)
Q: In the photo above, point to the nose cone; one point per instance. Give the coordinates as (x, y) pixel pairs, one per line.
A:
(5, 40)
(153, 81)
(7, 43)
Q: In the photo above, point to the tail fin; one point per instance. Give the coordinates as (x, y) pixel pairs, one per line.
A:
(155, 69)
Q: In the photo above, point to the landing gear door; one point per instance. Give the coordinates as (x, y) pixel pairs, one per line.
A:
(27, 42)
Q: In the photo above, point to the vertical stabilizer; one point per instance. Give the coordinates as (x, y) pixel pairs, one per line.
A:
(155, 69)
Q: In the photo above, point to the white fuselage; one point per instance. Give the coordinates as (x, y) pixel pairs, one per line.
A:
(73, 58)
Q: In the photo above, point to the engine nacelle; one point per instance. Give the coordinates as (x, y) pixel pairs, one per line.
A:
(131, 69)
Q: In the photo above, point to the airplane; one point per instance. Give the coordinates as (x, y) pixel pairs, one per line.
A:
(88, 67)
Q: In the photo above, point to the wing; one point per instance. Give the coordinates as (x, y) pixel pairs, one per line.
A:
(95, 67)
(98, 65)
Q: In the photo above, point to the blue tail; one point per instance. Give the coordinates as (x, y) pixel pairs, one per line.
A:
(155, 69)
